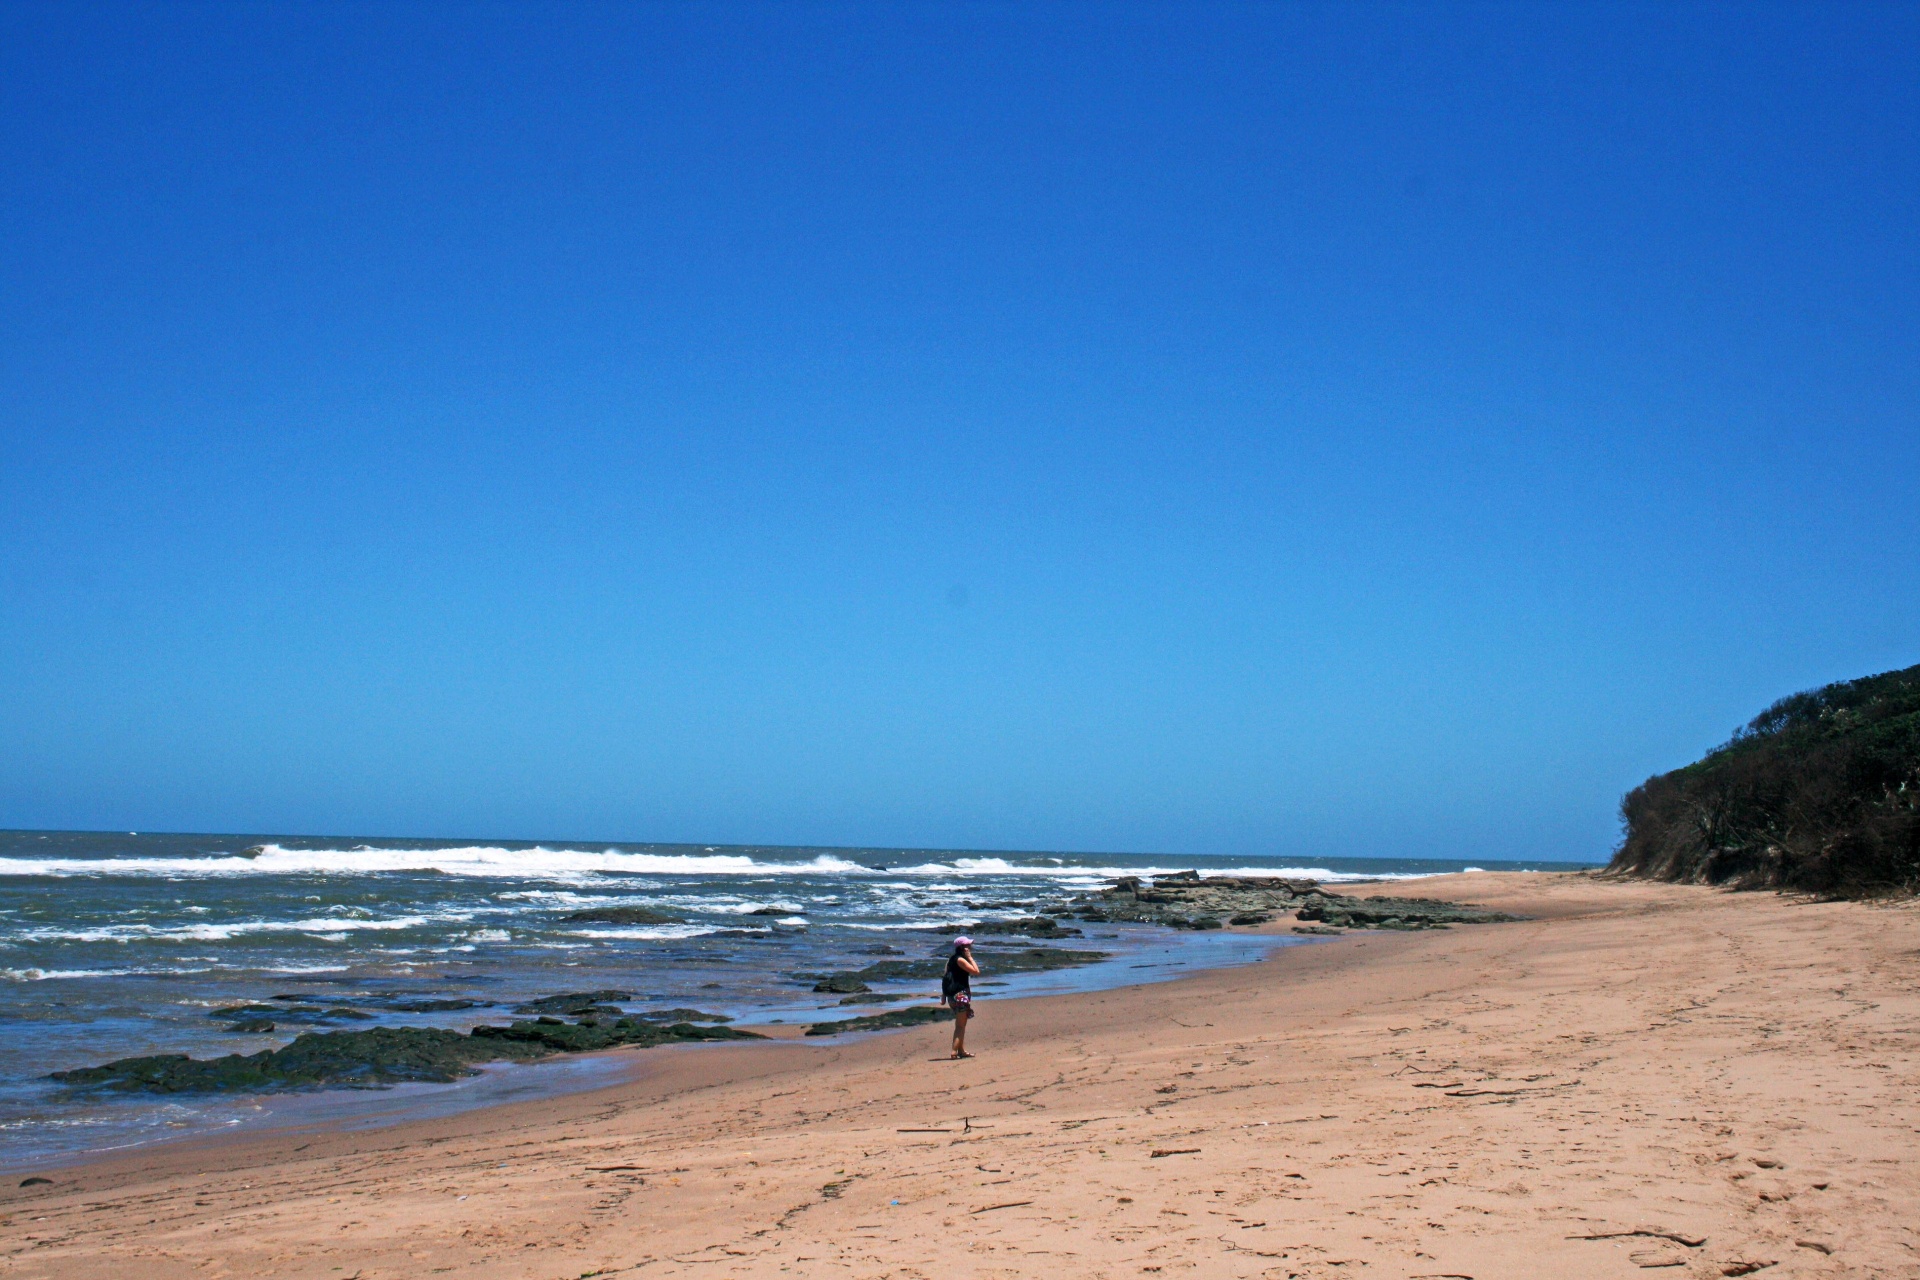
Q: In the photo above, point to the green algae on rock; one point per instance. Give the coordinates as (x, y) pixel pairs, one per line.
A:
(575, 1002)
(918, 1016)
(384, 1055)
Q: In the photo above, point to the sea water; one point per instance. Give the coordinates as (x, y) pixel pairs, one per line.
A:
(115, 945)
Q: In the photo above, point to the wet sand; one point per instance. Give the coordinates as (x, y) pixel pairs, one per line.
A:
(1645, 1078)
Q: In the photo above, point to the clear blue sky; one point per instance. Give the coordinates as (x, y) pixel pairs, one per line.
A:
(1303, 430)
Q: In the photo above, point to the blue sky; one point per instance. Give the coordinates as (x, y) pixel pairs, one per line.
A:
(1293, 430)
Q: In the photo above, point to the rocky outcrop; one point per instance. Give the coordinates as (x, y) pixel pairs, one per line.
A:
(263, 1017)
(1186, 900)
(842, 984)
(682, 1015)
(1393, 913)
(380, 1056)
(917, 1016)
(621, 915)
(590, 1033)
(996, 961)
(383, 1056)
(1030, 926)
(577, 1002)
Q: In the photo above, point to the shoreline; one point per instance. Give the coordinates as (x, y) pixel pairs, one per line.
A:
(1637, 1057)
(306, 1111)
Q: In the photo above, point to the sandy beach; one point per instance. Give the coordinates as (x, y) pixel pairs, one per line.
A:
(1641, 1078)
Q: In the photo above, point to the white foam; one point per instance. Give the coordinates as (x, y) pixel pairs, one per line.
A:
(541, 863)
(47, 975)
(325, 926)
(657, 934)
(474, 860)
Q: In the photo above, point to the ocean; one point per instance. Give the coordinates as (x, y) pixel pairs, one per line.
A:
(119, 944)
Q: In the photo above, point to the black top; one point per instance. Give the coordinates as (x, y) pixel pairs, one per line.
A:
(956, 979)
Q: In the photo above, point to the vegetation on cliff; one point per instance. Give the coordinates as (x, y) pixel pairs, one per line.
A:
(1820, 793)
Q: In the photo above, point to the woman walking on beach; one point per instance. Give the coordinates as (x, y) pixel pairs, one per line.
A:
(956, 990)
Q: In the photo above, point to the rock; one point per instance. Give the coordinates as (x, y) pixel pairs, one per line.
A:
(574, 1002)
(1032, 927)
(621, 915)
(1185, 900)
(251, 851)
(773, 911)
(1033, 959)
(381, 1056)
(1316, 928)
(876, 997)
(433, 1006)
(250, 1011)
(554, 1036)
(1394, 913)
(842, 984)
(302, 1013)
(682, 1015)
(251, 1026)
(994, 960)
(920, 1015)
(36, 1182)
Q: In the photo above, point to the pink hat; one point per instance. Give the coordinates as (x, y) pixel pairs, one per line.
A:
(963, 941)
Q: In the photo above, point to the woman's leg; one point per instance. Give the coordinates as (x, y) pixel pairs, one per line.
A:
(960, 1015)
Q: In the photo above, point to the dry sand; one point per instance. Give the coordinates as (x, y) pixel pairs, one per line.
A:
(1646, 1077)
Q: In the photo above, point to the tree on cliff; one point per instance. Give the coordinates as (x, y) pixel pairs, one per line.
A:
(1820, 793)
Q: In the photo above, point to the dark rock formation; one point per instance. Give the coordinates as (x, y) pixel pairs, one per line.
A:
(1393, 913)
(1186, 900)
(841, 984)
(384, 1055)
(1819, 793)
(433, 1006)
(995, 960)
(917, 1016)
(621, 915)
(576, 1002)
(682, 1015)
(1032, 927)
(554, 1036)
(246, 1016)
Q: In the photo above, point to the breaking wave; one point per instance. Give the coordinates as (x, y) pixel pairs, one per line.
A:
(562, 864)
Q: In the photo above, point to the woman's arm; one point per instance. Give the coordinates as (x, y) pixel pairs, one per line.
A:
(968, 964)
